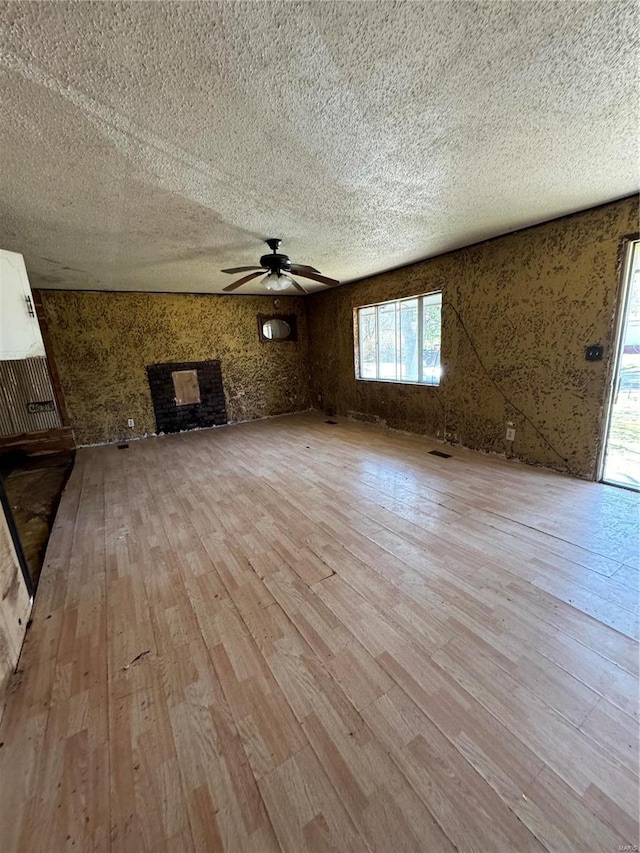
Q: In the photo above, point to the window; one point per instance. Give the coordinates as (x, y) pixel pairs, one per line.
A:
(399, 341)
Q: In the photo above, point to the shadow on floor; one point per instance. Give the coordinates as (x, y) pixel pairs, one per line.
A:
(34, 485)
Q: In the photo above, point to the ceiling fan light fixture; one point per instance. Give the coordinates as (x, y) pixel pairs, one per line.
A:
(278, 267)
(276, 281)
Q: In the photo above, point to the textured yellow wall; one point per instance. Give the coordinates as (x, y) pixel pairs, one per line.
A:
(103, 342)
(531, 302)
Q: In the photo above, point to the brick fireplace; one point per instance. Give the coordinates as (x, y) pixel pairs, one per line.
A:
(187, 395)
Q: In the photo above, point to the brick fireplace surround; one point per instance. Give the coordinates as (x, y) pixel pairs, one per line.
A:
(172, 417)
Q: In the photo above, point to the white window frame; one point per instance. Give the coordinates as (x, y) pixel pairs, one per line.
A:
(428, 383)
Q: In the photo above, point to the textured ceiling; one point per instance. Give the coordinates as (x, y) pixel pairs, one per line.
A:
(143, 146)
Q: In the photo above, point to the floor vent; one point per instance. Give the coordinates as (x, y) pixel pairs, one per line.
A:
(331, 422)
(123, 447)
(440, 454)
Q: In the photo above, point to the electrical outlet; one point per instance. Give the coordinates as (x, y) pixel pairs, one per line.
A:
(130, 422)
(511, 433)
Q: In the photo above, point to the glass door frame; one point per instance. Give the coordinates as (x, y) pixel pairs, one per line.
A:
(621, 313)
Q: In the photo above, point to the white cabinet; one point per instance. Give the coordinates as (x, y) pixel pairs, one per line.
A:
(19, 330)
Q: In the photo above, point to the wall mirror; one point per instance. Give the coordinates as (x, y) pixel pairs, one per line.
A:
(277, 327)
(276, 330)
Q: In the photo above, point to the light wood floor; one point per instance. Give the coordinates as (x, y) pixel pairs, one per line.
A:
(301, 636)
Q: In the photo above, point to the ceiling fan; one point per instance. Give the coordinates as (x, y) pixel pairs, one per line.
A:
(278, 268)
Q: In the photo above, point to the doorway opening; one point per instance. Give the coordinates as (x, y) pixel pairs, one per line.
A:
(621, 456)
(36, 440)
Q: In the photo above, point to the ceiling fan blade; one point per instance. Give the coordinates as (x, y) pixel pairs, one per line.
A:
(330, 282)
(240, 269)
(242, 281)
(300, 268)
(298, 286)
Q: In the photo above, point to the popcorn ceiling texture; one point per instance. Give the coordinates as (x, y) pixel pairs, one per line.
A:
(103, 342)
(531, 302)
(145, 146)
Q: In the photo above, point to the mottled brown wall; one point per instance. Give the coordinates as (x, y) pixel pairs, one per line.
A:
(103, 342)
(531, 302)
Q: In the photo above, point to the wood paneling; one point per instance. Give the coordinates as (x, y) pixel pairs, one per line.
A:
(28, 400)
(14, 609)
(53, 370)
(295, 636)
(48, 441)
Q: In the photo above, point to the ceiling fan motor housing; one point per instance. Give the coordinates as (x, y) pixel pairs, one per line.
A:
(275, 263)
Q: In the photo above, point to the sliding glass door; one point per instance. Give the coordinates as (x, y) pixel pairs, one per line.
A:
(621, 458)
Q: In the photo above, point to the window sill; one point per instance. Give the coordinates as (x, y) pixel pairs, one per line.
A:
(400, 382)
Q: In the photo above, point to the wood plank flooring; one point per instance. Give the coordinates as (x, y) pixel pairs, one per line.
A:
(290, 635)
